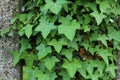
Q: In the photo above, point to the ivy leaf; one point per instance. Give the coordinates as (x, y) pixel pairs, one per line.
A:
(73, 44)
(56, 6)
(24, 45)
(90, 67)
(111, 68)
(29, 58)
(113, 34)
(82, 70)
(98, 16)
(58, 44)
(16, 57)
(105, 6)
(64, 75)
(28, 73)
(22, 17)
(68, 27)
(27, 29)
(86, 28)
(43, 51)
(103, 39)
(100, 65)
(72, 66)
(68, 53)
(104, 53)
(94, 76)
(45, 27)
(45, 76)
(50, 62)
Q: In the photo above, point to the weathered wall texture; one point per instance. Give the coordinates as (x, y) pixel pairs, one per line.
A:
(7, 70)
(118, 64)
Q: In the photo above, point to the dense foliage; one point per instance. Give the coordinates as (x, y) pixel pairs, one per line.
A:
(68, 39)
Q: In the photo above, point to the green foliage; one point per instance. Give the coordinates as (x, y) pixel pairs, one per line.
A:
(68, 39)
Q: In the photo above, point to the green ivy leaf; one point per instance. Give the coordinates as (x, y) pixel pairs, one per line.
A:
(104, 53)
(28, 73)
(98, 16)
(24, 45)
(111, 68)
(113, 34)
(68, 53)
(22, 17)
(45, 76)
(94, 76)
(27, 29)
(104, 6)
(50, 62)
(58, 44)
(72, 66)
(45, 27)
(103, 39)
(73, 44)
(16, 57)
(68, 27)
(86, 28)
(29, 58)
(43, 50)
(64, 75)
(56, 6)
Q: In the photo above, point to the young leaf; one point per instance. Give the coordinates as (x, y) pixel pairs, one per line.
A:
(45, 27)
(68, 27)
(50, 62)
(43, 51)
(58, 44)
(72, 66)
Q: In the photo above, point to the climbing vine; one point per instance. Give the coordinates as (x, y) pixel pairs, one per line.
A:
(68, 39)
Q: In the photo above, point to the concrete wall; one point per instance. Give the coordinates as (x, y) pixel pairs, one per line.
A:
(7, 70)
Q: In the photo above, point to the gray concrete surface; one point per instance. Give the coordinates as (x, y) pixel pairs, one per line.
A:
(118, 64)
(7, 70)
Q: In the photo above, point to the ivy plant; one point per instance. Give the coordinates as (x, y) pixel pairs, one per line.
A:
(68, 39)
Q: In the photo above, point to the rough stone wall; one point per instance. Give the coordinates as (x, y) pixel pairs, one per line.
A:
(7, 70)
(118, 64)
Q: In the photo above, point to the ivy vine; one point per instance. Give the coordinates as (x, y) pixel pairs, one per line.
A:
(68, 39)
